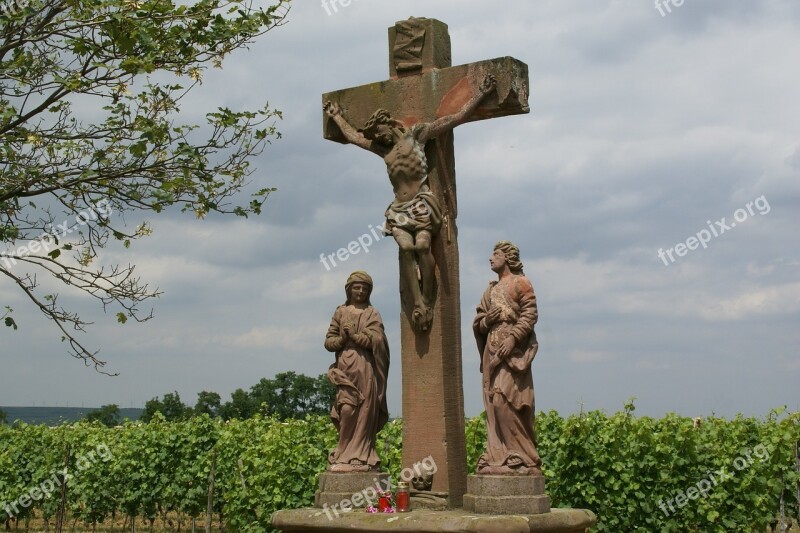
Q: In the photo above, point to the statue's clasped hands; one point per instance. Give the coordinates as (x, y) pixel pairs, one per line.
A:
(360, 339)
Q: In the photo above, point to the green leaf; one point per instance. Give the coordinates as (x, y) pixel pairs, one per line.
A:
(126, 145)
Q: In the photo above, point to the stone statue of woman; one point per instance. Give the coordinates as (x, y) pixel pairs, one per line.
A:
(360, 371)
(507, 344)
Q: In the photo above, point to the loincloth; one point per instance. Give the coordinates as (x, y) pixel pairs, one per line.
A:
(423, 212)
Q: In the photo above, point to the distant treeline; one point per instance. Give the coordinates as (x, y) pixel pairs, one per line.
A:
(287, 395)
(52, 416)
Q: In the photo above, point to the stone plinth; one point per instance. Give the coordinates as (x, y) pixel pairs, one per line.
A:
(423, 521)
(431, 501)
(352, 487)
(501, 495)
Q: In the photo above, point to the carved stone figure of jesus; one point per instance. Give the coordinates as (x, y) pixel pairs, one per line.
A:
(415, 215)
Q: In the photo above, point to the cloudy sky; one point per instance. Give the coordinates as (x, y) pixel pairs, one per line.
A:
(647, 129)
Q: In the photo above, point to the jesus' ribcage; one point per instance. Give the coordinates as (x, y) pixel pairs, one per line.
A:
(407, 163)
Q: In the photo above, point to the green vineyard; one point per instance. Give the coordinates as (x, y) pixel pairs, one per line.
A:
(672, 474)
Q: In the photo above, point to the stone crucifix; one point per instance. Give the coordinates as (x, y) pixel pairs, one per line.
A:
(408, 121)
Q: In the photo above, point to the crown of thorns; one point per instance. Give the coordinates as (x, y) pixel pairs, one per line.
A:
(381, 116)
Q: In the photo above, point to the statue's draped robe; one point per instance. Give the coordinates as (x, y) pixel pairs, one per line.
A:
(508, 382)
(360, 377)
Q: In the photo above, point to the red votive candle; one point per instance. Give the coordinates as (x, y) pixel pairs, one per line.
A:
(383, 502)
(403, 500)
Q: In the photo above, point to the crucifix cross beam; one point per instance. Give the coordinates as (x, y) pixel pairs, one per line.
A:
(408, 121)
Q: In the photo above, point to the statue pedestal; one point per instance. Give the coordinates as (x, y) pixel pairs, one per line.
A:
(341, 490)
(431, 501)
(425, 521)
(506, 495)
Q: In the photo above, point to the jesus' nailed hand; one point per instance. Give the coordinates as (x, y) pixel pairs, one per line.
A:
(403, 150)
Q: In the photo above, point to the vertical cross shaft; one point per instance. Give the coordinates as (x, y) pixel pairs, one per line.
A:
(433, 397)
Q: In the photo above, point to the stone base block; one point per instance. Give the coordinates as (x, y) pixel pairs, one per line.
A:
(434, 501)
(507, 504)
(505, 485)
(424, 521)
(499, 495)
(351, 489)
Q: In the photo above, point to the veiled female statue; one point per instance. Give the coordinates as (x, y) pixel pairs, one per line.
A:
(357, 337)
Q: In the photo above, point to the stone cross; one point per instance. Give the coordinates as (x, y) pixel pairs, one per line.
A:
(425, 87)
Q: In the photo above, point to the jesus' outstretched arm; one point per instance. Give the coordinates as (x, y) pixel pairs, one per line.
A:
(350, 133)
(447, 123)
